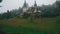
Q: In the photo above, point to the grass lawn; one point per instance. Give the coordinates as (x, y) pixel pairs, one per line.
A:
(26, 26)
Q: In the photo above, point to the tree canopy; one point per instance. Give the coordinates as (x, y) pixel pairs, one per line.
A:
(0, 1)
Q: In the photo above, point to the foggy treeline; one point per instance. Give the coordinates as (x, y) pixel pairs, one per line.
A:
(47, 11)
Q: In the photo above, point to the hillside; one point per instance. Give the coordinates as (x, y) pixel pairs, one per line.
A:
(42, 25)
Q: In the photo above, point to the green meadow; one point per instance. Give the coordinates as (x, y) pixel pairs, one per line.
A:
(35, 26)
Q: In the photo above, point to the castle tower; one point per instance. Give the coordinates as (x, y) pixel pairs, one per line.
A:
(35, 7)
(25, 7)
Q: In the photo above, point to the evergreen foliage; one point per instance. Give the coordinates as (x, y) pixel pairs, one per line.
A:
(47, 11)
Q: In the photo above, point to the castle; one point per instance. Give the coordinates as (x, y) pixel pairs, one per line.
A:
(30, 10)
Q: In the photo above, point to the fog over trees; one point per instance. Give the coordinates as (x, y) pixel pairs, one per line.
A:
(47, 11)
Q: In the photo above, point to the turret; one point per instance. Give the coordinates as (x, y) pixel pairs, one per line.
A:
(25, 4)
(25, 7)
(35, 5)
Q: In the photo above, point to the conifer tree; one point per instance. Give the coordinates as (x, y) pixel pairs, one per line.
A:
(0, 1)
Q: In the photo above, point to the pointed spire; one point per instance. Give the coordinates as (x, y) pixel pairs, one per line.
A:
(25, 4)
(24, 1)
(35, 3)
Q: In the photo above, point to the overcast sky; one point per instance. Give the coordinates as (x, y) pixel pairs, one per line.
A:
(15, 4)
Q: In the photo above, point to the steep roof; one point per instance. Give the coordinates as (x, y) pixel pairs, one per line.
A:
(35, 4)
(25, 4)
